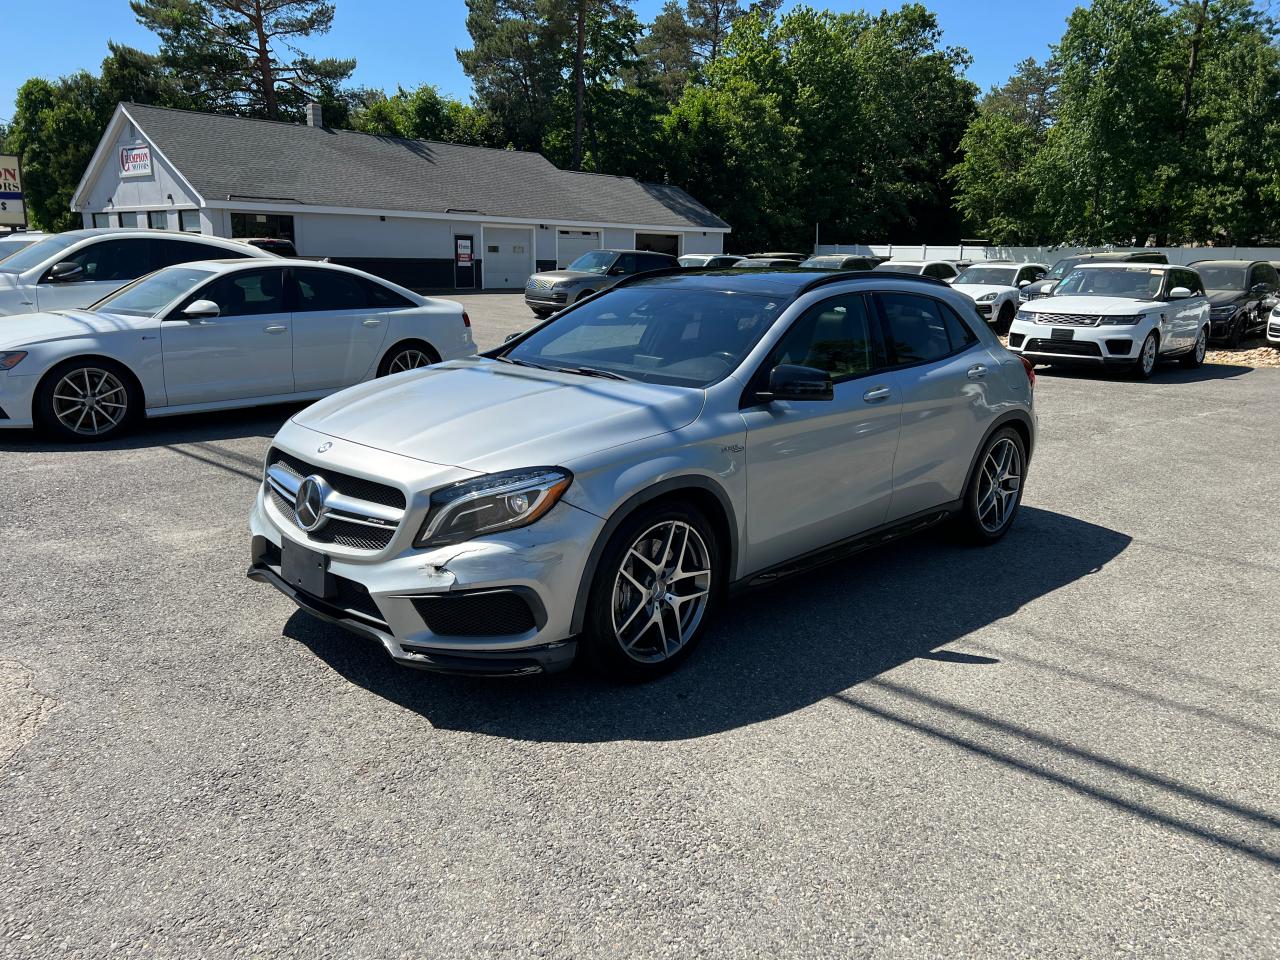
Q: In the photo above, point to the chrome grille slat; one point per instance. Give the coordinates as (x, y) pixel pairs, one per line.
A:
(353, 521)
(1069, 319)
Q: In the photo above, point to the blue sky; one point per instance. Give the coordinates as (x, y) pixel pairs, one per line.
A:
(409, 42)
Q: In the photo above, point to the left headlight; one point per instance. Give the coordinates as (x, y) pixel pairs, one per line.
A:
(1224, 313)
(987, 297)
(497, 501)
(10, 360)
(1126, 320)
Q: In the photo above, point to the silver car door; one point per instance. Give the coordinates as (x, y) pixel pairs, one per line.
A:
(947, 380)
(819, 471)
(338, 331)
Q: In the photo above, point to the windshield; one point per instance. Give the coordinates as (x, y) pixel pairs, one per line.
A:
(677, 336)
(10, 247)
(1216, 278)
(37, 253)
(146, 297)
(1129, 283)
(992, 276)
(833, 263)
(902, 267)
(695, 259)
(596, 261)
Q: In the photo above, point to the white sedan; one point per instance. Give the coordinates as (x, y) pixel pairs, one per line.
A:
(214, 335)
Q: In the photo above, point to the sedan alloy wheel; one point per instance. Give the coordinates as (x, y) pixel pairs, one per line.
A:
(90, 401)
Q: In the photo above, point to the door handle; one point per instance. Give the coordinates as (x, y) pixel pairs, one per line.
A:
(876, 394)
(977, 371)
(370, 323)
(276, 327)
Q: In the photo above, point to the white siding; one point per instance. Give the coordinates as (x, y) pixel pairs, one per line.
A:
(616, 238)
(698, 242)
(133, 193)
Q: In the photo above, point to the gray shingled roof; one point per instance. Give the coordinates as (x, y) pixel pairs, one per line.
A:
(264, 160)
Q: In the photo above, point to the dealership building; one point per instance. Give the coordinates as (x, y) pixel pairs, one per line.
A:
(424, 214)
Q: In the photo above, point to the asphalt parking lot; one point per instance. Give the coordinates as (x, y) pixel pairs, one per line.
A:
(1063, 746)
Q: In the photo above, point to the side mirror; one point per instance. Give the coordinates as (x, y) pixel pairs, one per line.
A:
(1179, 293)
(1024, 283)
(788, 381)
(511, 336)
(1260, 288)
(616, 271)
(68, 271)
(199, 310)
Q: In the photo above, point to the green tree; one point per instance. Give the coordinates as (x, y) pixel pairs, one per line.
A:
(667, 51)
(425, 114)
(239, 56)
(1030, 97)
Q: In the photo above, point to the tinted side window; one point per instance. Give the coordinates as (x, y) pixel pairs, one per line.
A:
(329, 290)
(834, 336)
(958, 332)
(1188, 279)
(916, 329)
(380, 296)
(168, 252)
(124, 259)
(1267, 274)
(246, 293)
(626, 262)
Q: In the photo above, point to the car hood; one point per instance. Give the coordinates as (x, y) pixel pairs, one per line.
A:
(554, 275)
(28, 328)
(977, 290)
(1227, 298)
(484, 415)
(1102, 306)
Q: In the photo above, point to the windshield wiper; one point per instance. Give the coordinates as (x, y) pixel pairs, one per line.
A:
(593, 372)
(524, 363)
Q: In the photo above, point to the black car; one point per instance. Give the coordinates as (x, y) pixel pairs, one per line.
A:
(1241, 295)
(840, 261)
(1044, 288)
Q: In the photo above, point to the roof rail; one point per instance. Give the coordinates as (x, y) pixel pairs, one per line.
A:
(848, 275)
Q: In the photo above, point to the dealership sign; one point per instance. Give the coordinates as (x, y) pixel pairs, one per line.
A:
(13, 213)
(135, 161)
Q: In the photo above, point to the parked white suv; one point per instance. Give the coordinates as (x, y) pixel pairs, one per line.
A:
(994, 285)
(65, 271)
(1120, 315)
(938, 269)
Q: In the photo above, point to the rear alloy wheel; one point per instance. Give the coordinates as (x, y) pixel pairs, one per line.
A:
(409, 356)
(654, 587)
(1196, 357)
(1145, 365)
(88, 401)
(995, 490)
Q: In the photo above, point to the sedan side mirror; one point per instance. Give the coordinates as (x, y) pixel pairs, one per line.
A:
(1179, 293)
(199, 310)
(789, 381)
(1024, 283)
(68, 271)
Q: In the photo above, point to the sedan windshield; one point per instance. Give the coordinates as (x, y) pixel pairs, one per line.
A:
(902, 267)
(149, 295)
(595, 261)
(695, 260)
(989, 276)
(1129, 283)
(37, 253)
(1215, 278)
(676, 336)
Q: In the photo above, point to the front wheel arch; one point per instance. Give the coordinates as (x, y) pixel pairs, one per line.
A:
(51, 376)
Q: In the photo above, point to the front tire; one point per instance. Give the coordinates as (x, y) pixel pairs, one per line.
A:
(1196, 357)
(1145, 365)
(87, 401)
(994, 493)
(657, 582)
(1005, 320)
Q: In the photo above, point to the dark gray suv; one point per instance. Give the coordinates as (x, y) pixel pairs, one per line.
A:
(551, 290)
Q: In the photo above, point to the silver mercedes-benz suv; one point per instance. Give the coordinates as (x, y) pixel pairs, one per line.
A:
(597, 485)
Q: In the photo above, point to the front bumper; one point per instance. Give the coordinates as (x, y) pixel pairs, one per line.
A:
(1273, 330)
(545, 299)
(1220, 327)
(536, 570)
(1109, 346)
(17, 400)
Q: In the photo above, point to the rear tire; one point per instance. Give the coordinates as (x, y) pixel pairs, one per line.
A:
(407, 355)
(657, 584)
(542, 314)
(87, 401)
(1195, 358)
(994, 493)
(1145, 365)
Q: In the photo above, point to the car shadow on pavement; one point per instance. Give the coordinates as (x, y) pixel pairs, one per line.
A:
(166, 431)
(771, 651)
(1164, 373)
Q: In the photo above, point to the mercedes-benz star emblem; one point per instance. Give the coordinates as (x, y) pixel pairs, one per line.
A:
(325, 447)
(308, 505)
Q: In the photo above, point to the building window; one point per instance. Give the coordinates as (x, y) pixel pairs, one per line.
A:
(275, 226)
(129, 220)
(102, 220)
(158, 219)
(190, 221)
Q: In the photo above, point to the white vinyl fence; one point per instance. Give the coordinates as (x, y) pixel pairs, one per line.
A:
(1047, 255)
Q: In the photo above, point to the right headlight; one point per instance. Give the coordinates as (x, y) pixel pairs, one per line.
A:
(1026, 316)
(10, 360)
(494, 502)
(1127, 320)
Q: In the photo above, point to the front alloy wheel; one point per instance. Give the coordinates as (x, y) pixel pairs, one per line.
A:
(85, 402)
(1145, 365)
(654, 588)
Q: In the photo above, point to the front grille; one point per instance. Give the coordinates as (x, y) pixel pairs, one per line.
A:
(1015, 339)
(984, 309)
(494, 613)
(339, 532)
(1070, 348)
(1069, 319)
(345, 484)
(539, 283)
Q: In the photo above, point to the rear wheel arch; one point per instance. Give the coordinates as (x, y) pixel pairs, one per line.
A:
(699, 492)
(1020, 421)
(408, 343)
